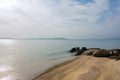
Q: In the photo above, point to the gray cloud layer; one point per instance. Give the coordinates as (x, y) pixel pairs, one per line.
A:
(59, 18)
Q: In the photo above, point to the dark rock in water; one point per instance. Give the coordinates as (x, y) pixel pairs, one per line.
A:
(77, 48)
(102, 53)
(83, 48)
(79, 52)
(74, 49)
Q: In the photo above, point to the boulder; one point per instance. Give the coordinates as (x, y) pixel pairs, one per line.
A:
(90, 52)
(77, 48)
(79, 52)
(118, 58)
(73, 49)
(115, 52)
(113, 57)
(102, 53)
(84, 49)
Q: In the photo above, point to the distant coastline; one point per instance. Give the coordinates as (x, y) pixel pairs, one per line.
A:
(62, 38)
(37, 38)
(46, 38)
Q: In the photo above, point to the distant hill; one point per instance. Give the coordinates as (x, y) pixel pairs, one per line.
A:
(46, 38)
(115, 38)
(6, 38)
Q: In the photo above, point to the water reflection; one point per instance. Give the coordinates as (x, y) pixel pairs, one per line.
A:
(7, 41)
(3, 69)
(25, 59)
(6, 78)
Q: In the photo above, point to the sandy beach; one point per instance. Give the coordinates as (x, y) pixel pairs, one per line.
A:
(84, 68)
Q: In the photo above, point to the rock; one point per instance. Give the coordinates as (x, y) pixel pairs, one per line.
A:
(84, 49)
(74, 49)
(102, 53)
(78, 48)
(115, 52)
(113, 57)
(97, 52)
(111, 52)
(118, 58)
(94, 49)
(90, 52)
(79, 52)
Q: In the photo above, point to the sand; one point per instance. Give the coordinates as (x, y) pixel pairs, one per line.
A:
(84, 68)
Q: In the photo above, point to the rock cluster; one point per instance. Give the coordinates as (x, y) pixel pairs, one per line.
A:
(74, 49)
(97, 52)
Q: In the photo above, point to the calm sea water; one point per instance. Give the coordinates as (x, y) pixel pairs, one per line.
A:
(25, 59)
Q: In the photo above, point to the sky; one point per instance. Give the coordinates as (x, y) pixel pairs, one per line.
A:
(75, 19)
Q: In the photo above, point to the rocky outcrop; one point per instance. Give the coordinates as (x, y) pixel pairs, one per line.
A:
(97, 52)
(115, 52)
(91, 51)
(102, 53)
(82, 50)
(74, 49)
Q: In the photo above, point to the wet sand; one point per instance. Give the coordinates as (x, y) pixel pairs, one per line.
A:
(84, 68)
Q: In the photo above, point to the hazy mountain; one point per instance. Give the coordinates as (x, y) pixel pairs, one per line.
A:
(58, 38)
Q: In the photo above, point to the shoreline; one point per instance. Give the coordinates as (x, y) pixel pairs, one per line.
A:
(83, 68)
(55, 67)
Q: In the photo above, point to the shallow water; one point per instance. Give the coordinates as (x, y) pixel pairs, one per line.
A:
(25, 59)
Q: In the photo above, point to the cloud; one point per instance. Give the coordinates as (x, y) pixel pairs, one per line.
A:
(64, 18)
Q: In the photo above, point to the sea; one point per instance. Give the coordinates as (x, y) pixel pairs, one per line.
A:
(24, 59)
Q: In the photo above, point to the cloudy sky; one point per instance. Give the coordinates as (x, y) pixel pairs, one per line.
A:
(60, 18)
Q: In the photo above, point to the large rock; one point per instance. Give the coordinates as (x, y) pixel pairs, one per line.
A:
(118, 58)
(79, 52)
(74, 49)
(113, 57)
(91, 52)
(102, 53)
(84, 49)
(115, 52)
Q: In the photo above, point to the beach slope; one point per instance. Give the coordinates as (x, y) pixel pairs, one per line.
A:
(84, 68)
